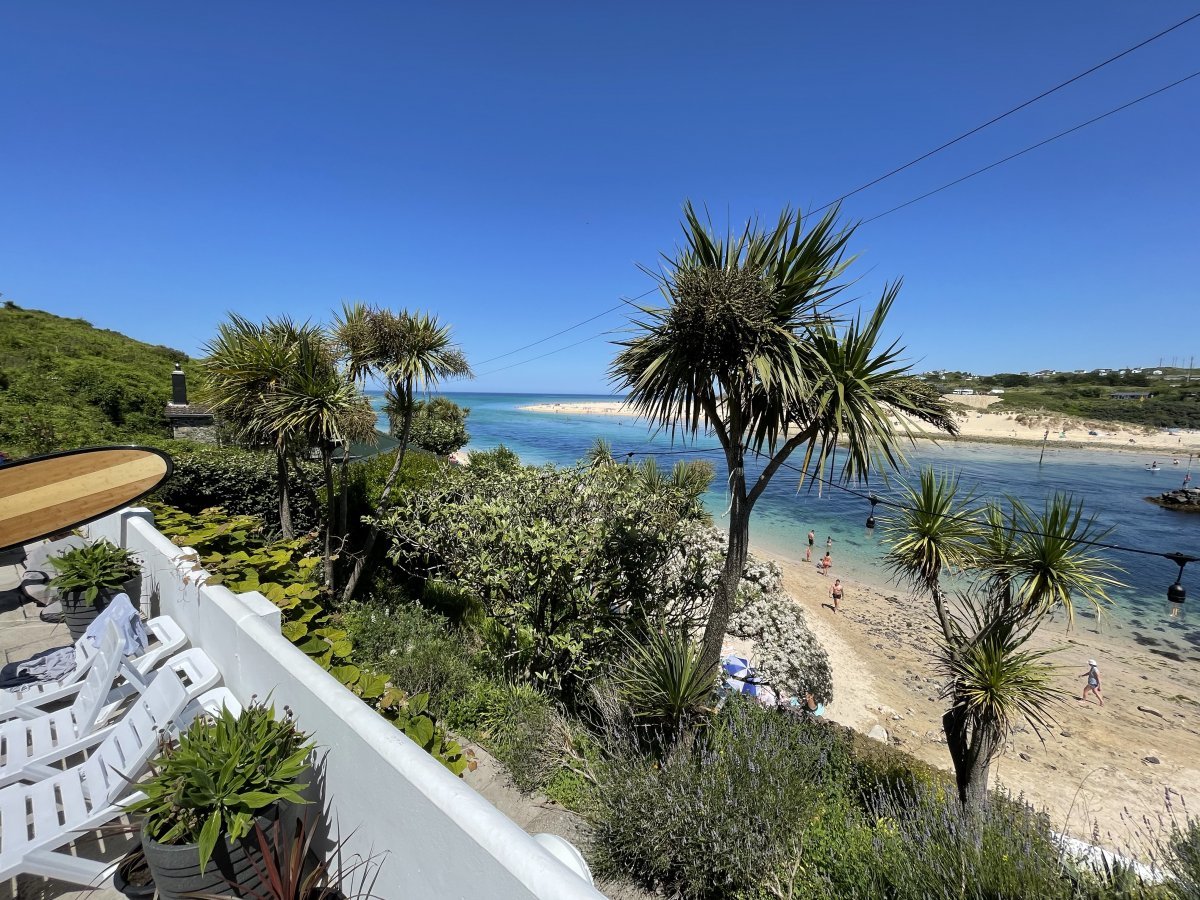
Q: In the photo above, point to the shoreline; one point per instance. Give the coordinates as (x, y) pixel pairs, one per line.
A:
(980, 427)
(1106, 766)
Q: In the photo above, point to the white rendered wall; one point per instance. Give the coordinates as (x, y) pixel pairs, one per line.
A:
(441, 838)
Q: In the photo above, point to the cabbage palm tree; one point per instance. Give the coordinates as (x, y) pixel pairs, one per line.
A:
(242, 364)
(409, 352)
(747, 348)
(316, 405)
(1022, 566)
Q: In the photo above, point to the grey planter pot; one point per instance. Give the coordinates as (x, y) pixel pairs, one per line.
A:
(176, 867)
(79, 614)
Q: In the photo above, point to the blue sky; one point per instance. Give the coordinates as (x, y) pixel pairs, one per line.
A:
(508, 166)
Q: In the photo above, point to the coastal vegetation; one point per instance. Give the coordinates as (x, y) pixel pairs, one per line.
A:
(572, 620)
(1172, 399)
(1021, 566)
(749, 348)
(65, 383)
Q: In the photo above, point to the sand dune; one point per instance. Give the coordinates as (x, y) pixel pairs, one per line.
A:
(976, 424)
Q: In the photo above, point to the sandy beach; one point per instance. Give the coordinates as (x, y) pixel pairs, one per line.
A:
(976, 424)
(1100, 767)
(1106, 766)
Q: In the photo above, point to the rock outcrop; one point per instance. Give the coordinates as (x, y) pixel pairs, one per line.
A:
(1184, 499)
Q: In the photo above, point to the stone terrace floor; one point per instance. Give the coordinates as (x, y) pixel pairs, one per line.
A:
(23, 634)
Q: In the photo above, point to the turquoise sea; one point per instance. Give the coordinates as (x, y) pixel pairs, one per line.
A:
(1112, 485)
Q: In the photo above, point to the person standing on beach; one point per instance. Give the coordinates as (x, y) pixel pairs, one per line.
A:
(1093, 682)
(835, 593)
(812, 538)
(826, 564)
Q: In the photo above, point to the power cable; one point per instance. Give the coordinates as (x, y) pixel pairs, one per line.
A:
(1005, 115)
(620, 305)
(547, 353)
(1042, 143)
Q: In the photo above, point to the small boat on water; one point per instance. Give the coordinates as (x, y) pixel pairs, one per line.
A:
(1154, 467)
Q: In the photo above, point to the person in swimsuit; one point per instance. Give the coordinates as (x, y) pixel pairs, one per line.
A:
(828, 543)
(826, 564)
(1093, 682)
(835, 593)
(812, 538)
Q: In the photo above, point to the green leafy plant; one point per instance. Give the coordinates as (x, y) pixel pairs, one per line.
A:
(284, 573)
(92, 568)
(221, 775)
(412, 716)
(665, 683)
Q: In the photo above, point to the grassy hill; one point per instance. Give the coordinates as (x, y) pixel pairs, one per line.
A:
(65, 383)
(1173, 401)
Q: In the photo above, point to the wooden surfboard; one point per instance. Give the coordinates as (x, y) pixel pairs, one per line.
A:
(43, 495)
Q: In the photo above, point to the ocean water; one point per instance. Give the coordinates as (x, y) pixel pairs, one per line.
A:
(1113, 487)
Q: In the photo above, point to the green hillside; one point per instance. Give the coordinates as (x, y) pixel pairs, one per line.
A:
(65, 383)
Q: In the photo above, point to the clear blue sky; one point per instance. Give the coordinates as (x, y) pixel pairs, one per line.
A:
(508, 165)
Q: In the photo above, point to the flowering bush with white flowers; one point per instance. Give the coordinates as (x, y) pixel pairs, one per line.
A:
(787, 656)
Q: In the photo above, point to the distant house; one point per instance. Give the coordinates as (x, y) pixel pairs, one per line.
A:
(1129, 395)
(1136, 371)
(1157, 372)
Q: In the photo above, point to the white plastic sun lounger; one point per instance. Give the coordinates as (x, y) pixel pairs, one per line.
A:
(37, 820)
(168, 639)
(28, 745)
(23, 740)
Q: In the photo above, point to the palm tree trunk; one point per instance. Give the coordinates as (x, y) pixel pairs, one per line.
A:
(725, 600)
(972, 751)
(285, 504)
(330, 512)
(360, 562)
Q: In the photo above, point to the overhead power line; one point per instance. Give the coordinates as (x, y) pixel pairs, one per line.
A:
(549, 337)
(1005, 115)
(547, 353)
(907, 165)
(1031, 147)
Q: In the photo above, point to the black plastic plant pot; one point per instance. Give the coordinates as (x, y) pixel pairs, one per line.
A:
(79, 614)
(133, 877)
(176, 867)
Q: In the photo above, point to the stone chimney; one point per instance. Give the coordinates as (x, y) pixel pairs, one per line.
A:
(189, 421)
(178, 387)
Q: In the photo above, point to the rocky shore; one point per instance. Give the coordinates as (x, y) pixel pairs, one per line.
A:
(1184, 499)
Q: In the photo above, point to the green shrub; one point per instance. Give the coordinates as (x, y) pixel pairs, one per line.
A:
(243, 482)
(439, 425)
(415, 648)
(941, 851)
(877, 768)
(517, 728)
(665, 686)
(722, 818)
(1182, 860)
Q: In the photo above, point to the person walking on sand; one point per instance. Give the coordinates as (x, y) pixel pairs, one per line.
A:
(835, 593)
(1093, 682)
(812, 539)
(826, 564)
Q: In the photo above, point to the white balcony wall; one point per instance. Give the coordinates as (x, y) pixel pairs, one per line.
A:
(441, 838)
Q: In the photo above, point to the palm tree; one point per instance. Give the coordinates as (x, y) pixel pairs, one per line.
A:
(242, 364)
(935, 531)
(746, 347)
(1023, 566)
(317, 405)
(409, 352)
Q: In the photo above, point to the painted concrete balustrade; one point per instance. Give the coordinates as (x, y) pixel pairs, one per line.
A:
(440, 838)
